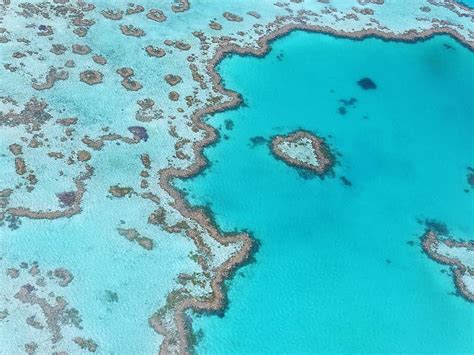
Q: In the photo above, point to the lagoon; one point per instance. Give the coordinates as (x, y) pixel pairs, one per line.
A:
(340, 266)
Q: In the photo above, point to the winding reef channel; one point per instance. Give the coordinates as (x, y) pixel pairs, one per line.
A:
(101, 108)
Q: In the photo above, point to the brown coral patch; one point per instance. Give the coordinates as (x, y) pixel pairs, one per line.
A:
(20, 166)
(229, 16)
(83, 155)
(134, 9)
(112, 14)
(67, 121)
(215, 25)
(52, 76)
(180, 6)
(118, 191)
(156, 15)
(99, 59)
(125, 72)
(155, 51)
(15, 149)
(134, 236)
(173, 96)
(173, 79)
(91, 77)
(130, 30)
(131, 85)
(81, 49)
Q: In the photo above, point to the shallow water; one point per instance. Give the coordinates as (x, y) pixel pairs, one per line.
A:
(334, 272)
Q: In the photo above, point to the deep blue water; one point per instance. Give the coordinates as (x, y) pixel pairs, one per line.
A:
(334, 272)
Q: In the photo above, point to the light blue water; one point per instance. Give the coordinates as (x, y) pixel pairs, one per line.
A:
(334, 272)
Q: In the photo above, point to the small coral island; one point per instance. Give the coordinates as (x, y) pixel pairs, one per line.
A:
(457, 254)
(303, 149)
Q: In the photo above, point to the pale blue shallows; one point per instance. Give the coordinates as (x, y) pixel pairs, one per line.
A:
(334, 272)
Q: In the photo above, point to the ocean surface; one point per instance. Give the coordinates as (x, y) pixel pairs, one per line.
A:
(340, 268)
(469, 3)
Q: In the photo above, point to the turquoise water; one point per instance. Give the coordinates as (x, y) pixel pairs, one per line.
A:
(469, 3)
(335, 271)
